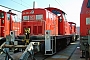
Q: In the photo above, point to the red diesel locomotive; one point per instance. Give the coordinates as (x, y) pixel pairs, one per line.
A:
(39, 20)
(73, 30)
(8, 23)
(62, 23)
(49, 27)
(85, 29)
(65, 27)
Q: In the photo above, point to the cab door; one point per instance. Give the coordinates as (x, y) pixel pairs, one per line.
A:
(2, 17)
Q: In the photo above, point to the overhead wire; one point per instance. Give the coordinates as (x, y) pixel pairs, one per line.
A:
(10, 8)
(62, 5)
(19, 3)
(25, 2)
(59, 3)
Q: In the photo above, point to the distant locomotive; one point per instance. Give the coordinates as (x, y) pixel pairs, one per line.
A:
(8, 23)
(49, 27)
(85, 29)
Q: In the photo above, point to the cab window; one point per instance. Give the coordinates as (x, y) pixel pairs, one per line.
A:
(39, 17)
(1, 15)
(88, 4)
(56, 12)
(14, 18)
(8, 16)
(64, 16)
(25, 17)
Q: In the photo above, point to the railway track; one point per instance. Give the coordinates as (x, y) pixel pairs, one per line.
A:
(64, 54)
(39, 56)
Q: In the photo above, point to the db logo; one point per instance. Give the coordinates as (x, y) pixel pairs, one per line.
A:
(32, 17)
(32, 12)
(88, 12)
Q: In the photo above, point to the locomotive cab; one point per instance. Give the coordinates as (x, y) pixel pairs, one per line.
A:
(8, 23)
(62, 21)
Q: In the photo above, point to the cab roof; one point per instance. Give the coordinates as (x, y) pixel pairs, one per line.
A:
(53, 8)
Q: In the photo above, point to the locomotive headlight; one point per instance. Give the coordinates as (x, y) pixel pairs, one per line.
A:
(46, 32)
(88, 31)
(2, 21)
(47, 37)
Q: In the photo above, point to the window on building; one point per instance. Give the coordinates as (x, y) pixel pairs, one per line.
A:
(1, 15)
(25, 17)
(39, 17)
(88, 4)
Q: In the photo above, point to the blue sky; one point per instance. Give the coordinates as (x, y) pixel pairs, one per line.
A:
(71, 7)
